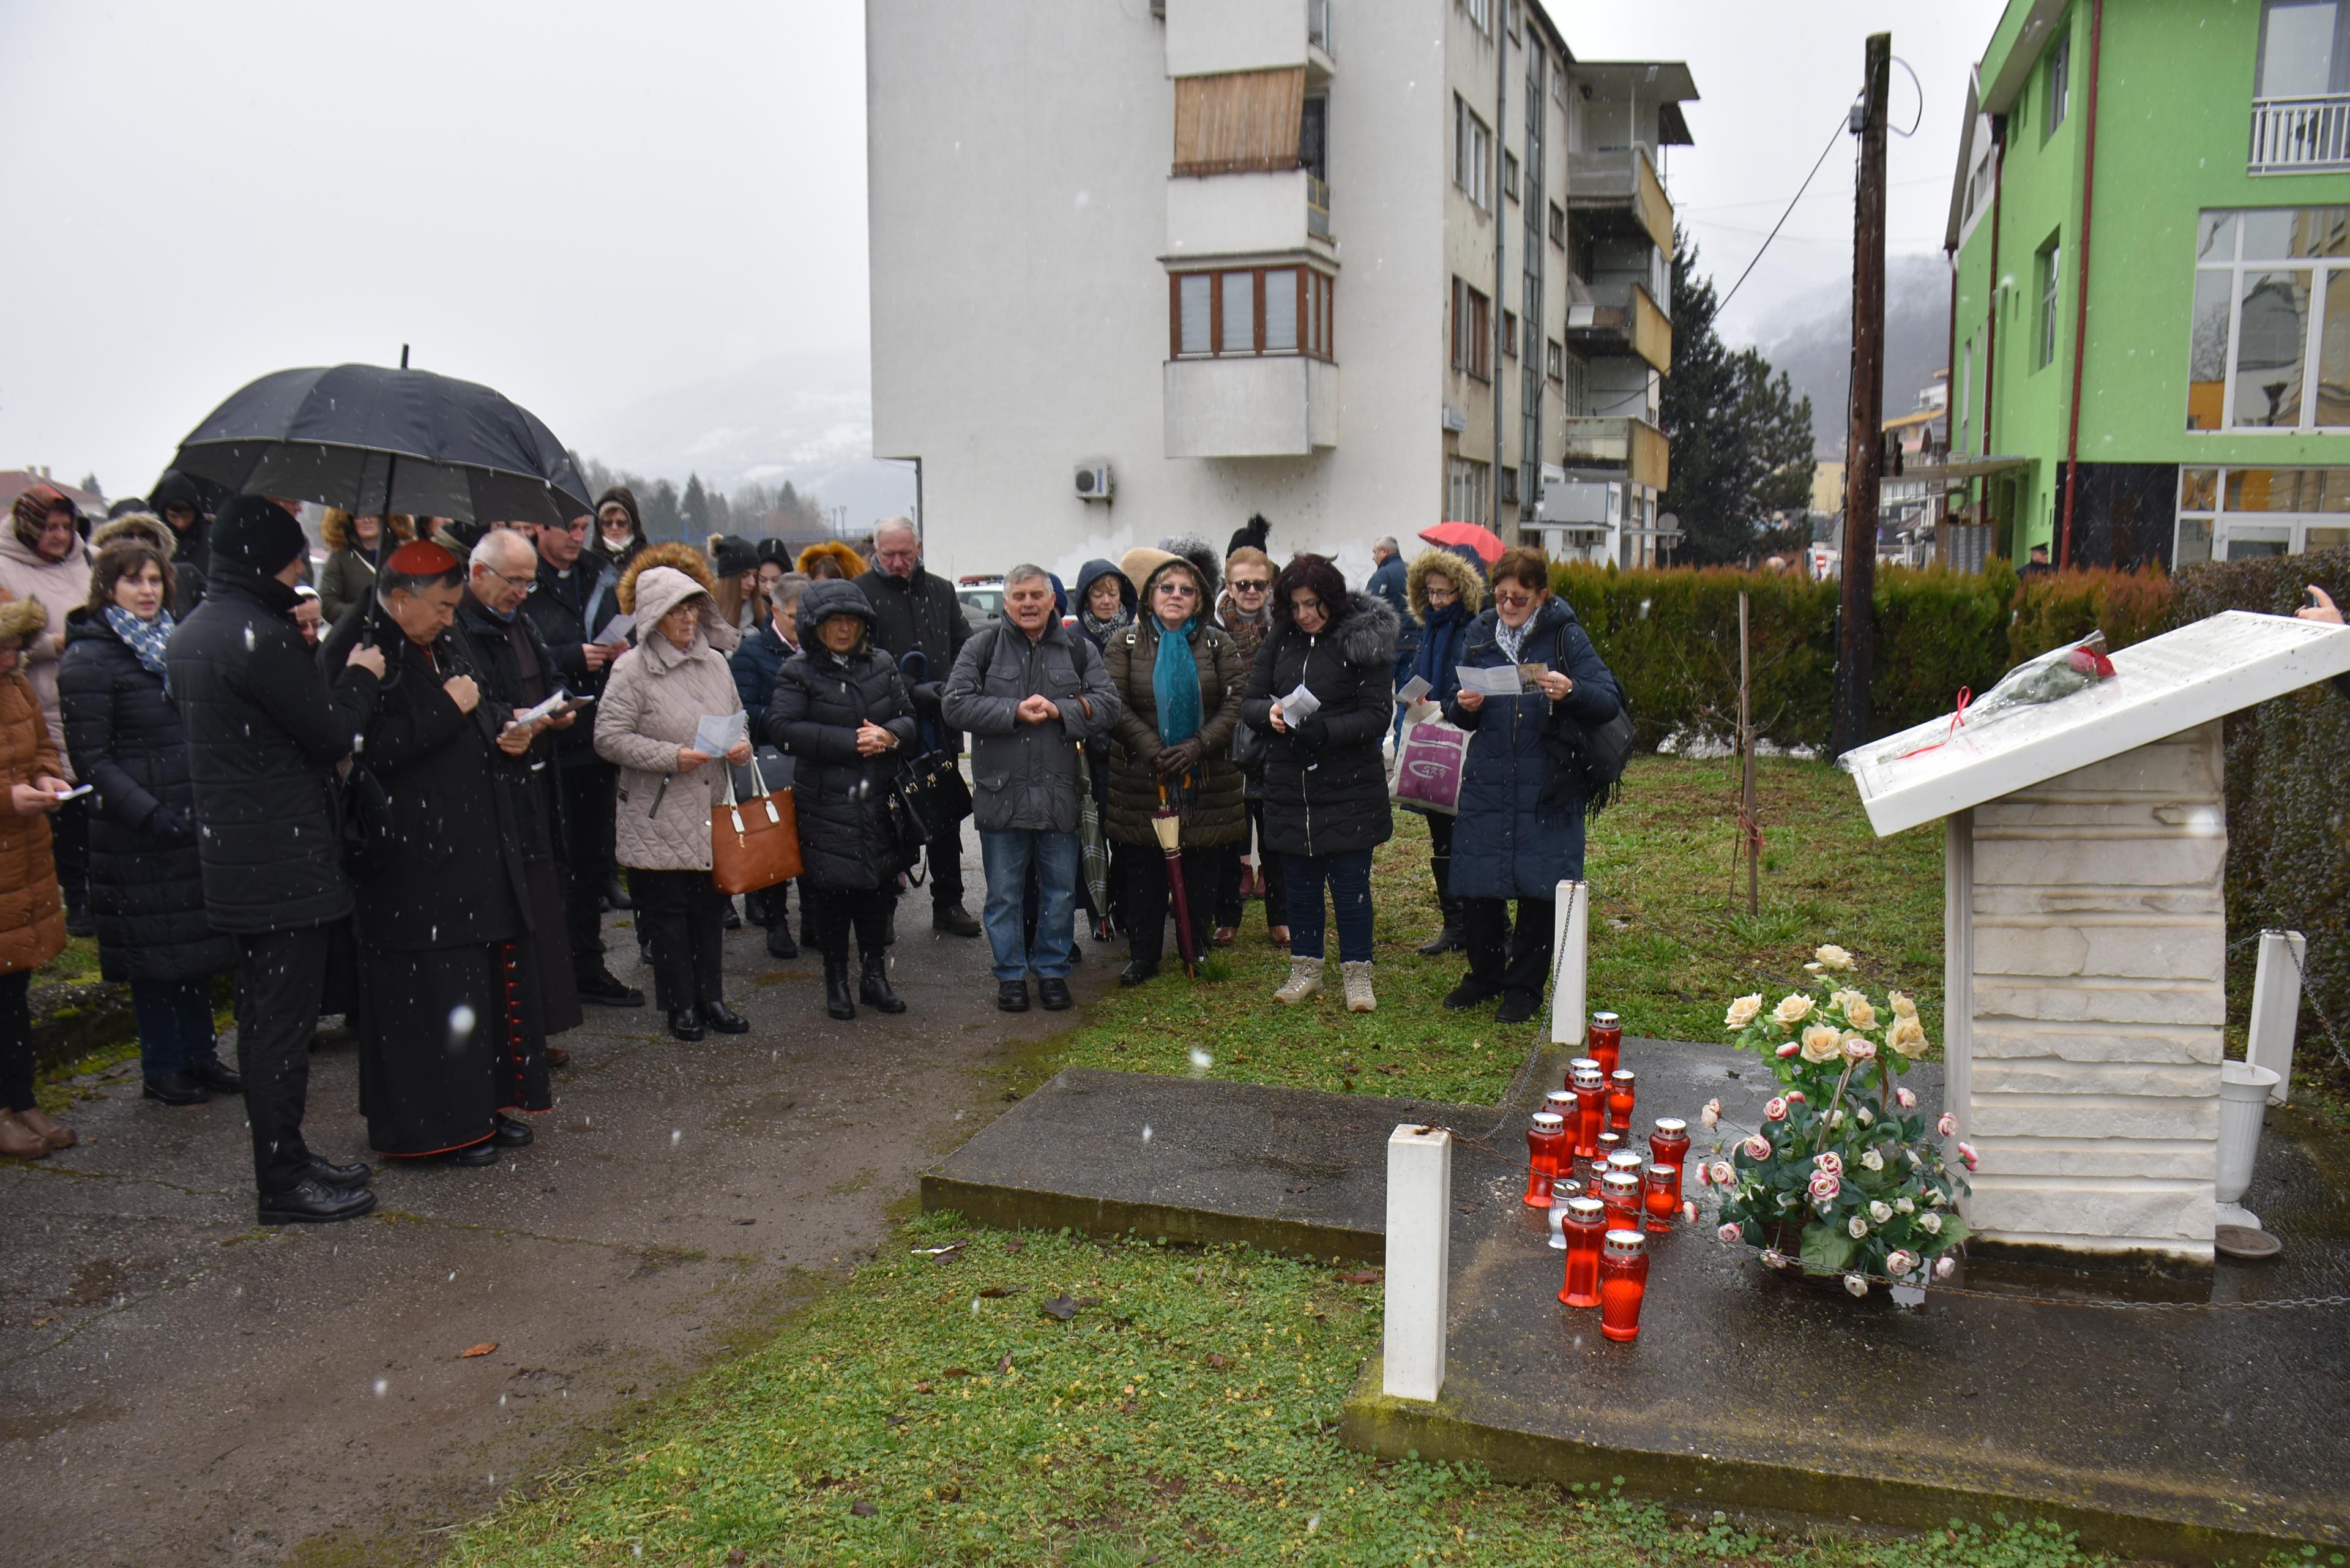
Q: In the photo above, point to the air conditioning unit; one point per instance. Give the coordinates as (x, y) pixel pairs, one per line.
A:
(1093, 483)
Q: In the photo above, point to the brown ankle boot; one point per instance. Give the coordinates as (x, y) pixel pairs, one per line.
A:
(18, 1141)
(55, 1134)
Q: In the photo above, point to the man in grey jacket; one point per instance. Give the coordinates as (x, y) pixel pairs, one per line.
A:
(1029, 690)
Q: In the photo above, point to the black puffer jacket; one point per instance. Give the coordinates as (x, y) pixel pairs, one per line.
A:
(1326, 784)
(146, 884)
(264, 731)
(841, 798)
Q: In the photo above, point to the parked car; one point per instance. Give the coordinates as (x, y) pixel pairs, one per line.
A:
(983, 599)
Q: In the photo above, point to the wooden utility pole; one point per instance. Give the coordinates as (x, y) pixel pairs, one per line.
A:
(1865, 438)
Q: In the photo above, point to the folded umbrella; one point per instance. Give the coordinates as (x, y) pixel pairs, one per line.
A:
(1167, 824)
(373, 439)
(1484, 541)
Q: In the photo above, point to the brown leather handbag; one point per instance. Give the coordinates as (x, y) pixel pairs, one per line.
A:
(754, 837)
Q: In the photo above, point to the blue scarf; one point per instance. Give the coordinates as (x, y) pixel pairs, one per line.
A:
(147, 638)
(1175, 684)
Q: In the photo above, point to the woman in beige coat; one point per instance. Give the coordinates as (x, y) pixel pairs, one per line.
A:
(657, 695)
(32, 925)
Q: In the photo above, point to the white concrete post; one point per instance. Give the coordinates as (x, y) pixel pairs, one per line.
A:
(1570, 954)
(1419, 1249)
(2276, 1008)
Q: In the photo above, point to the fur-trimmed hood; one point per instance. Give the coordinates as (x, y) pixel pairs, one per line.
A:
(1368, 631)
(1464, 576)
(841, 553)
(22, 620)
(144, 526)
(676, 557)
(334, 530)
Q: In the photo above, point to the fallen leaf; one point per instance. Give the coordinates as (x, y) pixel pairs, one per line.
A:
(956, 1372)
(862, 1508)
(1360, 1277)
(895, 1420)
(1062, 1307)
(922, 1387)
(950, 1491)
(734, 1558)
(1003, 1367)
(483, 1348)
(1217, 1361)
(1013, 1246)
(747, 1222)
(995, 1292)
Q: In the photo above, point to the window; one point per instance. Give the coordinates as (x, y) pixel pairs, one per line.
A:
(2050, 269)
(1481, 13)
(1966, 384)
(2268, 345)
(1251, 310)
(1510, 333)
(2243, 513)
(1508, 487)
(1240, 122)
(1472, 331)
(1313, 136)
(2301, 52)
(1556, 362)
(2060, 72)
(1464, 490)
(1472, 154)
(1509, 174)
(1558, 225)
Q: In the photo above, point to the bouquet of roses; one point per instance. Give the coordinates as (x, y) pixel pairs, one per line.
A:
(1846, 1175)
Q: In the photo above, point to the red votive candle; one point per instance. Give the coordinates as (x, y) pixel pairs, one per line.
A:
(1606, 1040)
(1590, 1087)
(1561, 1104)
(1660, 1195)
(1587, 1222)
(1544, 1139)
(1619, 1100)
(1623, 1282)
(1670, 1146)
(1620, 1191)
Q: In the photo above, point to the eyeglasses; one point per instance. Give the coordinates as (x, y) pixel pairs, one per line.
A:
(1514, 601)
(527, 585)
(1179, 590)
(1242, 586)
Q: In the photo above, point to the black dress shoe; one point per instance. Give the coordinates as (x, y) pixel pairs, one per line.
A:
(954, 920)
(1054, 994)
(837, 1002)
(1011, 995)
(1447, 940)
(733, 922)
(1471, 992)
(685, 1022)
(779, 941)
(473, 1156)
(313, 1202)
(512, 1132)
(724, 1018)
(79, 923)
(1517, 1006)
(177, 1089)
(326, 1173)
(615, 897)
(874, 991)
(216, 1076)
(605, 988)
(1136, 972)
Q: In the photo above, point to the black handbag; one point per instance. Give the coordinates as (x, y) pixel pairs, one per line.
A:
(370, 839)
(914, 808)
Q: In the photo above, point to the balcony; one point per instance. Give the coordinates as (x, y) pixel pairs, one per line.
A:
(1246, 214)
(2300, 135)
(1206, 38)
(1633, 447)
(1620, 318)
(1617, 191)
(1273, 405)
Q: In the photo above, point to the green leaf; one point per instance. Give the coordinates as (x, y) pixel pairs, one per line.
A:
(1827, 1248)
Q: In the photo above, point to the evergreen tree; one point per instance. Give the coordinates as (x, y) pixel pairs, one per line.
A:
(1742, 440)
(89, 485)
(661, 519)
(694, 511)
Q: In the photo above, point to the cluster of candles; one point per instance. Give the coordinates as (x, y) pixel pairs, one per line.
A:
(1605, 1200)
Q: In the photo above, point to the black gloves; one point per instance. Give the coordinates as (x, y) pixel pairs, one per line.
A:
(1180, 758)
(169, 826)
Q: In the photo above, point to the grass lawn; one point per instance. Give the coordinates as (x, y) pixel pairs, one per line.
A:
(933, 1410)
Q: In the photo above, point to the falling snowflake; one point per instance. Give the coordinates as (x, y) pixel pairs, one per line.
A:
(1146, 1132)
(381, 1386)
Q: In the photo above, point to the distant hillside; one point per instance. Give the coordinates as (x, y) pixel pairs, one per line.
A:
(1815, 350)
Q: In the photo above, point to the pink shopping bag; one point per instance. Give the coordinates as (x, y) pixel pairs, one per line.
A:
(1429, 765)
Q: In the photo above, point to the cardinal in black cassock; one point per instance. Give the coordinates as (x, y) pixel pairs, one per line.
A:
(451, 1038)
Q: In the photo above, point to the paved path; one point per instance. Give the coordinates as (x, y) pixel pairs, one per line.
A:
(177, 1384)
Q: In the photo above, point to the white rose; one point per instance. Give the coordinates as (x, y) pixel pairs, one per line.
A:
(1930, 1223)
(1833, 956)
(1743, 1011)
(1880, 1212)
(1936, 1198)
(1856, 1285)
(1902, 1005)
(1903, 1206)
(1864, 1118)
(1821, 1041)
(1908, 1036)
(1859, 1013)
(1945, 1267)
(1792, 1009)
(1858, 1226)
(1873, 1160)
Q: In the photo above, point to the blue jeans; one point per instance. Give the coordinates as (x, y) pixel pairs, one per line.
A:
(175, 1023)
(1349, 876)
(1008, 858)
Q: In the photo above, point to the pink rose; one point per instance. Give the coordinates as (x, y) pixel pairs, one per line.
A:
(1711, 1115)
(1795, 1097)
(1967, 1153)
(1826, 1186)
(1730, 1232)
(1689, 1209)
(1945, 1267)
(1789, 1049)
(1948, 1124)
(1702, 1178)
(1776, 1111)
(1723, 1175)
(1832, 1162)
(1906, 1098)
(1899, 1264)
(1859, 1048)
(1758, 1148)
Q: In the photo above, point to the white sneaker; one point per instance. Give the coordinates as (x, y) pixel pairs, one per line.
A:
(1359, 987)
(1304, 979)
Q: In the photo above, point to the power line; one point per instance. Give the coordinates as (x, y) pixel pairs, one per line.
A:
(1842, 121)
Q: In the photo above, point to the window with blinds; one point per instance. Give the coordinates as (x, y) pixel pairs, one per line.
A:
(1252, 310)
(1240, 122)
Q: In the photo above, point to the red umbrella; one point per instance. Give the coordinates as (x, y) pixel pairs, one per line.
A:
(1484, 541)
(1169, 827)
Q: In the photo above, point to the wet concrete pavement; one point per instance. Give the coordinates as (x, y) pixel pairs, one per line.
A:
(178, 1384)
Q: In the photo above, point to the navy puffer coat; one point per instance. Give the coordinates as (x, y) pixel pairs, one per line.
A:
(146, 883)
(1506, 844)
(820, 699)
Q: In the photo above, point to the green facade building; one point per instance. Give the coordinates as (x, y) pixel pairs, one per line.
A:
(2199, 152)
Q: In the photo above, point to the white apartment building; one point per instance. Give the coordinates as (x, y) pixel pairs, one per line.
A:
(1143, 268)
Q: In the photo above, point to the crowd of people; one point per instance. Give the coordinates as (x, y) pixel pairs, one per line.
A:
(403, 784)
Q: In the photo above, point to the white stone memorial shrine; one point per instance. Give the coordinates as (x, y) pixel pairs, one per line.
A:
(2084, 929)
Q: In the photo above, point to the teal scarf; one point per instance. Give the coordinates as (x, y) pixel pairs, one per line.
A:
(1175, 684)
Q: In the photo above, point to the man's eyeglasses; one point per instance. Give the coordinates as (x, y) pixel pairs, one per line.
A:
(527, 585)
(1241, 586)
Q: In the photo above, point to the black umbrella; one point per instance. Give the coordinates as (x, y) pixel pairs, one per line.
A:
(375, 441)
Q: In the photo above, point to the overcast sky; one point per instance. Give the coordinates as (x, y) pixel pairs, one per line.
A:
(583, 204)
